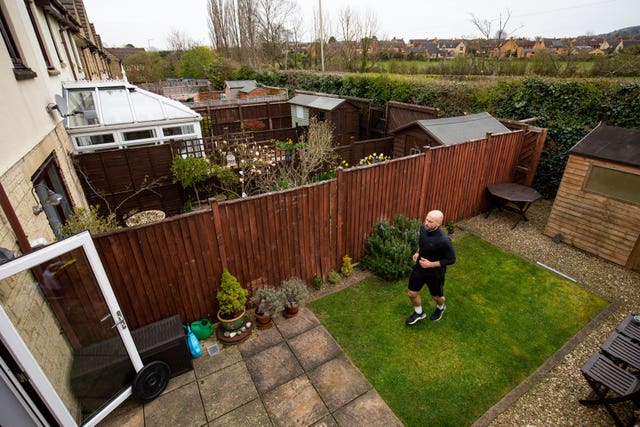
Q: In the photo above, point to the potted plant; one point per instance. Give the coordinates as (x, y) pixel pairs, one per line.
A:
(268, 302)
(232, 299)
(295, 295)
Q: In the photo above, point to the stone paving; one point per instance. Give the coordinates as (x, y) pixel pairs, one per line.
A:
(293, 374)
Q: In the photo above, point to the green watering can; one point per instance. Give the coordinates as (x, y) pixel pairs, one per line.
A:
(202, 329)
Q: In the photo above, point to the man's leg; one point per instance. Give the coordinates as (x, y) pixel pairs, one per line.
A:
(416, 301)
(437, 293)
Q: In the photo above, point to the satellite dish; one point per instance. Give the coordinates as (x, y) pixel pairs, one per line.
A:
(62, 105)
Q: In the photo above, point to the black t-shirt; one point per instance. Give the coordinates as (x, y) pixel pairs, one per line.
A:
(435, 246)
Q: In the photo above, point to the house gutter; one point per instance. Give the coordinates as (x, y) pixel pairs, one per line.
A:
(23, 241)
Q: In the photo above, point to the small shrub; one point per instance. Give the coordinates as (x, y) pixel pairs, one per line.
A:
(88, 219)
(268, 301)
(450, 228)
(316, 282)
(346, 269)
(333, 277)
(232, 298)
(295, 292)
(389, 249)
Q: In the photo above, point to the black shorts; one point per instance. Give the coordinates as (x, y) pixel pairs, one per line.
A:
(435, 282)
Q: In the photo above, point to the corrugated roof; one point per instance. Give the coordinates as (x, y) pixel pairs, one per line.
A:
(314, 101)
(454, 130)
(611, 143)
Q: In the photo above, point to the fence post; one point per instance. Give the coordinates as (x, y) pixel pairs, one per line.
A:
(424, 179)
(339, 209)
(217, 226)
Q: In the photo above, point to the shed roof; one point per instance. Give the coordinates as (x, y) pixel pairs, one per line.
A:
(611, 143)
(315, 101)
(244, 85)
(454, 130)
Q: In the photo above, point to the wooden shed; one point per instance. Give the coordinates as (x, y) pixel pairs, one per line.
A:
(343, 115)
(413, 137)
(597, 207)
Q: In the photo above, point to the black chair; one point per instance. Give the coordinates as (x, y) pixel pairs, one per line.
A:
(610, 383)
(623, 350)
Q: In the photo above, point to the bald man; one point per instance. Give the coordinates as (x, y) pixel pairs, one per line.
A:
(434, 253)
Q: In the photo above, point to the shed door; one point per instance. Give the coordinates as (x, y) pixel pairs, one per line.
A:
(82, 373)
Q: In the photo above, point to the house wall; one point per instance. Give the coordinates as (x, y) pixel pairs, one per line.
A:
(603, 226)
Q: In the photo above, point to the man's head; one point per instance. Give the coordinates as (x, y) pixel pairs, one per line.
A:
(433, 220)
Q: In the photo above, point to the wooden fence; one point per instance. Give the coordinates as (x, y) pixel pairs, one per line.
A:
(174, 266)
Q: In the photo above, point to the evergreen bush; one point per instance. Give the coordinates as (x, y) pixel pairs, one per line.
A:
(389, 249)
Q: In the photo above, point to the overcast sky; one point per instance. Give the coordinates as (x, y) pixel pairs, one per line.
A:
(146, 23)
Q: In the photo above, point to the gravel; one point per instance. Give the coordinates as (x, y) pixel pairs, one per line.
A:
(550, 396)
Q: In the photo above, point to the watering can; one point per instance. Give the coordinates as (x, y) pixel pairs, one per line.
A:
(202, 329)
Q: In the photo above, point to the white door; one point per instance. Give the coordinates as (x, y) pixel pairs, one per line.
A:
(61, 323)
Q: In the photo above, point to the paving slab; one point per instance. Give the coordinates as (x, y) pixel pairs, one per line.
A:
(304, 321)
(251, 414)
(181, 407)
(129, 414)
(338, 382)
(295, 403)
(261, 340)
(227, 389)
(180, 380)
(206, 365)
(314, 347)
(327, 421)
(368, 409)
(273, 367)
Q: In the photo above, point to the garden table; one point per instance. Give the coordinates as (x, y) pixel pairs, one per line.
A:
(513, 197)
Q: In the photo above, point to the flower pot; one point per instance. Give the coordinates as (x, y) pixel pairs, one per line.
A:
(263, 321)
(290, 312)
(232, 324)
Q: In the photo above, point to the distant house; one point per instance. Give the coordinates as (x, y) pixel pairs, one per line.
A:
(597, 207)
(556, 46)
(626, 44)
(451, 47)
(413, 137)
(343, 115)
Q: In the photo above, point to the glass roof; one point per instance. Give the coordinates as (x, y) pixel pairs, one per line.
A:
(116, 104)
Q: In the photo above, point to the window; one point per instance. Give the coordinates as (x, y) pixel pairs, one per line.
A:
(115, 106)
(20, 70)
(34, 24)
(299, 112)
(178, 130)
(82, 108)
(47, 177)
(138, 134)
(615, 183)
(105, 138)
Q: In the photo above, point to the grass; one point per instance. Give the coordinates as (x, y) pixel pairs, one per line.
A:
(505, 316)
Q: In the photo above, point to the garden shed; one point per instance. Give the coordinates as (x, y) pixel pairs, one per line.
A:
(412, 137)
(597, 207)
(343, 115)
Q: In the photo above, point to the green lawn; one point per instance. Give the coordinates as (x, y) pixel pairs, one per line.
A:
(505, 316)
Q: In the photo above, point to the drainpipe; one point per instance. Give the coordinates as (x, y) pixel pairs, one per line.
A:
(23, 241)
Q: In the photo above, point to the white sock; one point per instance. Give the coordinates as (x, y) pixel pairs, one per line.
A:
(418, 309)
(440, 307)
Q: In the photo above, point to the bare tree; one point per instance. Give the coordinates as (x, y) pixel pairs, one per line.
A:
(349, 32)
(218, 28)
(485, 26)
(368, 36)
(179, 41)
(273, 20)
(248, 31)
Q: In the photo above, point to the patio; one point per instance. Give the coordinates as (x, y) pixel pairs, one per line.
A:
(291, 374)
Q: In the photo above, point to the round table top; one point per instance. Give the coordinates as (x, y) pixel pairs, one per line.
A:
(514, 192)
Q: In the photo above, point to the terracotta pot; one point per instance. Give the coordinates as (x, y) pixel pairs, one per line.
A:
(232, 324)
(290, 312)
(263, 321)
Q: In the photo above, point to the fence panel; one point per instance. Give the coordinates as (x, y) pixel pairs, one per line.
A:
(174, 266)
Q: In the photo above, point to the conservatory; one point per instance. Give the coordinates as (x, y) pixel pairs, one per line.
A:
(117, 114)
